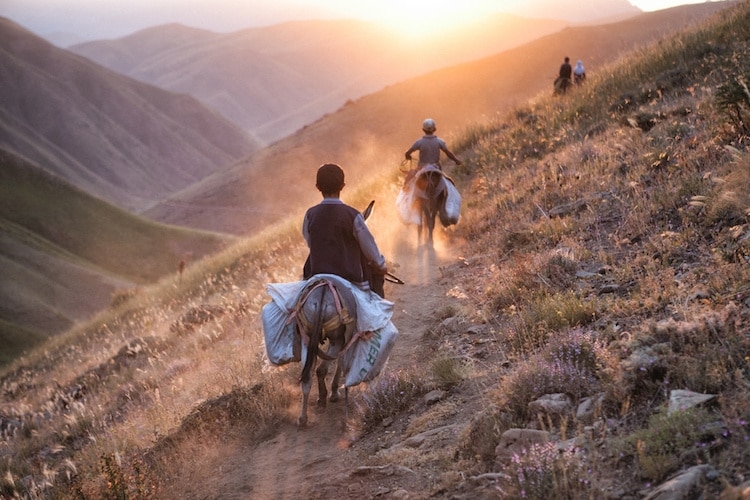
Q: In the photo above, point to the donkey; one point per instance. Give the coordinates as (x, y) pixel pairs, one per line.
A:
(430, 195)
(325, 312)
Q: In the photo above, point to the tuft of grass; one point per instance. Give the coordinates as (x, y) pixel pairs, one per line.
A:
(390, 394)
(448, 372)
(669, 441)
(480, 438)
(546, 314)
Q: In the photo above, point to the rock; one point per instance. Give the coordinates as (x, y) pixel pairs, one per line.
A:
(477, 329)
(452, 324)
(514, 441)
(682, 487)
(589, 407)
(554, 404)
(682, 400)
(433, 397)
(641, 359)
(741, 492)
(414, 441)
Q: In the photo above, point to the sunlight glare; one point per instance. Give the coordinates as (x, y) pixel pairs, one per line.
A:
(418, 19)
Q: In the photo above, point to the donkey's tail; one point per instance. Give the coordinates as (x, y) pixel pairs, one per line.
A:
(314, 333)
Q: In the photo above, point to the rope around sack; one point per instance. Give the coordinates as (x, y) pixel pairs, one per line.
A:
(343, 318)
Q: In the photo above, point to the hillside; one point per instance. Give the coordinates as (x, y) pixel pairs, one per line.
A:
(116, 138)
(581, 333)
(368, 136)
(65, 254)
(271, 81)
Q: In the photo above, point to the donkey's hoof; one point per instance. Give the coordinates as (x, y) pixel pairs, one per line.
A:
(335, 397)
(302, 421)
(322, 403)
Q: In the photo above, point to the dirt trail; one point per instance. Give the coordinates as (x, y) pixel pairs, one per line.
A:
(304, 463)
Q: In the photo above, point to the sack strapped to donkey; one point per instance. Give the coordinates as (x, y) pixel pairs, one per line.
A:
(355, 323)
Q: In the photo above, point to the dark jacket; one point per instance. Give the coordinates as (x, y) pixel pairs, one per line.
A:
(333, 247)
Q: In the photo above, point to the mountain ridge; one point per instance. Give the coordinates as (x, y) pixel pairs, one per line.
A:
(273, 80)
(123, 140)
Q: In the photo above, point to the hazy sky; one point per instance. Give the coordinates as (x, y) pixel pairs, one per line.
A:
(96, 19)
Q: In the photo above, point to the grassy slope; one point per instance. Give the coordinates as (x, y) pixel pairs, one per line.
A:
(612, 221)
(65, 252)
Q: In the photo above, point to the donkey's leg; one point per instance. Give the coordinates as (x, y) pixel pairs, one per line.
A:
(321, 373)
(335, 383)
(302, 420)
(430, 225)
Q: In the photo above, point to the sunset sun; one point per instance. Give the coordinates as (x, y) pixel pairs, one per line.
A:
(418, 19)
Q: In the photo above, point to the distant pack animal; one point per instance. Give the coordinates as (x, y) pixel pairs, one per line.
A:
(427, 195)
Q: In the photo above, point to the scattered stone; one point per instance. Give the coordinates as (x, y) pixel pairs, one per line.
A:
(741, 492)
(682, 400)
(433, 397)
(609, 288)
(643, 358)
(586, 275)
(682, 487)
(588, 408)
(452, 324)
(554, 404)
(414, 441)
(382, 490)
(477, 329)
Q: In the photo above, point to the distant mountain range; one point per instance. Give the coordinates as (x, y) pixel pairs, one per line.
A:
(117, 138)
(274, 80)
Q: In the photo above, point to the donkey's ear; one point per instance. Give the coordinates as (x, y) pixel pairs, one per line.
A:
(368, 210)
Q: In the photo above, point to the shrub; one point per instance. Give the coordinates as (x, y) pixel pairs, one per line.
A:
(448, 372)
(544, 471)
(545, 374)
(665, 442)
(389, 395)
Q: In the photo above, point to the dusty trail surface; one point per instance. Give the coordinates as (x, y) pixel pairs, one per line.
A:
(325, 459)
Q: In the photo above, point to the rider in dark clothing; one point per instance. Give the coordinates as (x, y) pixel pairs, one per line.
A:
(564, 77)
(566, 70)
(340, 242)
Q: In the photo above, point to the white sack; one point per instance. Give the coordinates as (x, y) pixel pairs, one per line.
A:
(367, 357)
(450, 212)
(373, 313)
(407, 209)
(279, 337)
